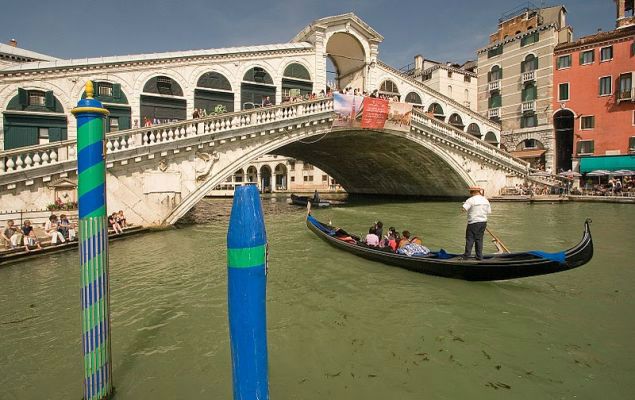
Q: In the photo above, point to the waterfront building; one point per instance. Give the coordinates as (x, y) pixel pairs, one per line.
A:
(456, 81)
(594, 98)
(515, 80)
(274, 174)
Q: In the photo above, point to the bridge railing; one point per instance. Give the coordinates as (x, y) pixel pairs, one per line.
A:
(32, 157)
(470, 141)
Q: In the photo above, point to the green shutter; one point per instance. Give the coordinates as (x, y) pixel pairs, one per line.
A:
(500, 73)
(55, 134)
(495, 101)
(581, 58)
(49, 100)
(116, 90)
(23, 97)
(95, 89)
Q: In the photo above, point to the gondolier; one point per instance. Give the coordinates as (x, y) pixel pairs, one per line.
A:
(477, 208)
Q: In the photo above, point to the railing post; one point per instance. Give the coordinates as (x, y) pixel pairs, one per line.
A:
(93, 247)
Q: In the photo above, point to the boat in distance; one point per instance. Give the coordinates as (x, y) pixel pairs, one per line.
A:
(493, 267)
(303, 200)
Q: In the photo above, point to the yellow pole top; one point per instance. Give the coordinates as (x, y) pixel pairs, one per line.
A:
(89, 90)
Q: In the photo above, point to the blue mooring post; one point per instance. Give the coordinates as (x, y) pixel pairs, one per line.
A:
(246, 295)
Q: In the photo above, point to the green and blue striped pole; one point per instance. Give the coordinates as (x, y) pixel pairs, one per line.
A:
(93, 246)
(246, 295)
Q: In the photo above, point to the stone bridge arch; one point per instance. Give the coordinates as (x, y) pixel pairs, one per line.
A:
(427, 169)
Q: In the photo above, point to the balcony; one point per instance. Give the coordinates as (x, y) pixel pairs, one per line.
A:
(494, 113)
(528, 106)
(529, 76)
(494, 85)
(624, 95)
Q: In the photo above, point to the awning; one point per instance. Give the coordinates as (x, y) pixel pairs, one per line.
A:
(528, 153)
(610, 163)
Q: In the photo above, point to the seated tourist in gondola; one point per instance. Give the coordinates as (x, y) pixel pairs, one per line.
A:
(372, 239)
(406, 239)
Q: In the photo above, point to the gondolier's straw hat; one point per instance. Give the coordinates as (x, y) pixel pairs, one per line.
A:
(475, 189)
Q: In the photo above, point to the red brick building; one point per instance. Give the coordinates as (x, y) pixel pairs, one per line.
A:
(594, 99)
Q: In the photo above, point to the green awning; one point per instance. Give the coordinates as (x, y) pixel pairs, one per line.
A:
(610, 163)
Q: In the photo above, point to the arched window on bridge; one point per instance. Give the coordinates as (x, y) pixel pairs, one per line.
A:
(33, 116)
(414, 98)
(296, 81)
(456, 121)
(490, 137)
(257, 85)
(265, 179)
(474, 130)
(116, 102)
(213, 93)
(437, 111)
(389, 89)
(239, 176)
(162, 101)
(280, 173)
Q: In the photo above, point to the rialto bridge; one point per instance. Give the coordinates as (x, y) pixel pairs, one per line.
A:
(157, 173)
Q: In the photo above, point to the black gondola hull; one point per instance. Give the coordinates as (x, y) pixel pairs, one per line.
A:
(493, 267)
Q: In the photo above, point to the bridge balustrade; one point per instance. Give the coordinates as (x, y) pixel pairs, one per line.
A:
(33, 157)
(470, 142)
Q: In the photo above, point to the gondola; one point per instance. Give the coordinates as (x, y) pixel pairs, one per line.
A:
(303, 200)
(493, 267)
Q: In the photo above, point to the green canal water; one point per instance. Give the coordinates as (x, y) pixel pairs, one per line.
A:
(340, 327)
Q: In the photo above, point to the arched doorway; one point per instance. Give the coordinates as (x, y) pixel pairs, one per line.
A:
(490, 137)
(456, 121)
(265, 179)
(437, 111)
(348, 57)
(116, 102)
(563, 124)
(474, 130)
(257, 86)
(252, 174)
(389, 90)
(33, 116)
(162, 101)
(213, 93)
(414, 98)
(296, 82)
(281, 177)
(532, 151)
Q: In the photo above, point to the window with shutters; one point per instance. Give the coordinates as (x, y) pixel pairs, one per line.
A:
(495, 101)
(625, 90)
(529, 121)
(564, 61)
(529, 39)
(606, 53)
(104, 89)
(529, 92)
(495, 74)
(605, 86)
(496, 51)
(585, 147)
(631, 144)
(37, 98)
(563, 92)
(587, 57)
(587, 122)
(325, 178)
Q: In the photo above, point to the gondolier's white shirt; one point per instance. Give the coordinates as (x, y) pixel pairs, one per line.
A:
(477, 208)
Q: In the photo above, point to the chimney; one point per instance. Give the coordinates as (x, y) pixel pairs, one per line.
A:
(13, 43)
(418, 63)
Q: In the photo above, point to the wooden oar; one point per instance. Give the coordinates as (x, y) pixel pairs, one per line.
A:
(498, 243)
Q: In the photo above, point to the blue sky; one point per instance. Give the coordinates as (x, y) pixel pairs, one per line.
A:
(449, 30)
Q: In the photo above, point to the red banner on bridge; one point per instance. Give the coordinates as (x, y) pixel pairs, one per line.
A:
(371, 113)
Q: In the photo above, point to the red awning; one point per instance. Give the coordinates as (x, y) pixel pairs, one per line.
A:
(528, 153)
